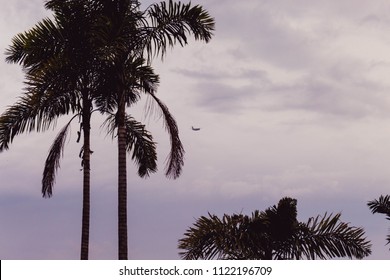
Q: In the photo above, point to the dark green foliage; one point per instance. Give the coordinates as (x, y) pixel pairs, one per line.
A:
(273, 234)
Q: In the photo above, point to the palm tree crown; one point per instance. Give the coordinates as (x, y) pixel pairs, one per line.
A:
(273, 234)
(94, 53)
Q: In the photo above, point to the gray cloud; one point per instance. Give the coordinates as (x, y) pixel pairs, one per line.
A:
(292, 100)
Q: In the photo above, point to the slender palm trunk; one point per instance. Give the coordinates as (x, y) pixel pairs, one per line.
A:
(122, 184)
(86, 179)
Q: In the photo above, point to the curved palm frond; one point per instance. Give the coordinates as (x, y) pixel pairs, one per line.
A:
(214, 238)
(329, 237)
(175, 159)
(53, 161)
(140, 76)
(170, 22)
(382, 206)
(31, 112)
(36, 48)
(138, 141)
(141, 143)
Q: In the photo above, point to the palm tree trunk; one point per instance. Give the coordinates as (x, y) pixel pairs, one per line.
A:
(86, 179)
(122, 184)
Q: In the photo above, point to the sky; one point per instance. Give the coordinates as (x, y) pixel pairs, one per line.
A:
(292, 98)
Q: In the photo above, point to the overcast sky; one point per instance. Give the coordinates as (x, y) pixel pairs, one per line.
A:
(292, 97)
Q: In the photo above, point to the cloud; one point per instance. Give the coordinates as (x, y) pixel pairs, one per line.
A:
(292, 99)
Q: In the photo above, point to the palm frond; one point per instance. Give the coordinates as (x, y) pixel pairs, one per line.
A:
(241, 237)
(381, 205)
(175, 159)
(53, 161)
(212, 238)
(329, 237)
(31, 112)
(36, 46)
(170, 23)
(140, 76)
(138, 141)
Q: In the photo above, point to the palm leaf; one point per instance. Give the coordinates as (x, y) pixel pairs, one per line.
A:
(31, 112)
(141, 143)
(175, 159)
(382, 206)
(169, 23)
(212, 238)
(53, 161)
(329, 237)
(235, 236)
(138, 141)
(243, 237)
(35, 47)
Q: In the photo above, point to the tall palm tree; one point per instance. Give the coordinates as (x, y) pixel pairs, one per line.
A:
(60, 80)
(131, 34)
(273, 234)
(54, 87)
(382, 206)
(113, 35)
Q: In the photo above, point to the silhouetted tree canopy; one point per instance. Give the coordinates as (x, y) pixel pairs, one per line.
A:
(273, 234)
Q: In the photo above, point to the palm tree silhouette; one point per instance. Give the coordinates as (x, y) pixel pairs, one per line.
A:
(60, 80)
(273, 234)
(92, 53)
(131, 34)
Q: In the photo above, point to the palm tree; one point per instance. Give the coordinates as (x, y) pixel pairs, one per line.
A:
(273, 234)
(382, 206)
(60, 80)
(54, 88)
(114, 36)
(129, 35)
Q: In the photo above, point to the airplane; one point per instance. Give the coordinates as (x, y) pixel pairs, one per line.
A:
(195, 128)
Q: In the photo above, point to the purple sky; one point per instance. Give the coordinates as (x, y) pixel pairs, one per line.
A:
(292, 98)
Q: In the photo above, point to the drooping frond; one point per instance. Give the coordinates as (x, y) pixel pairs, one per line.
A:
(138, 141)
(31, 112)
(175, 159)
(141, 143)
(53, 161)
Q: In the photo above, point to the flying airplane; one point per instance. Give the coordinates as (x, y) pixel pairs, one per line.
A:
(195, 128)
